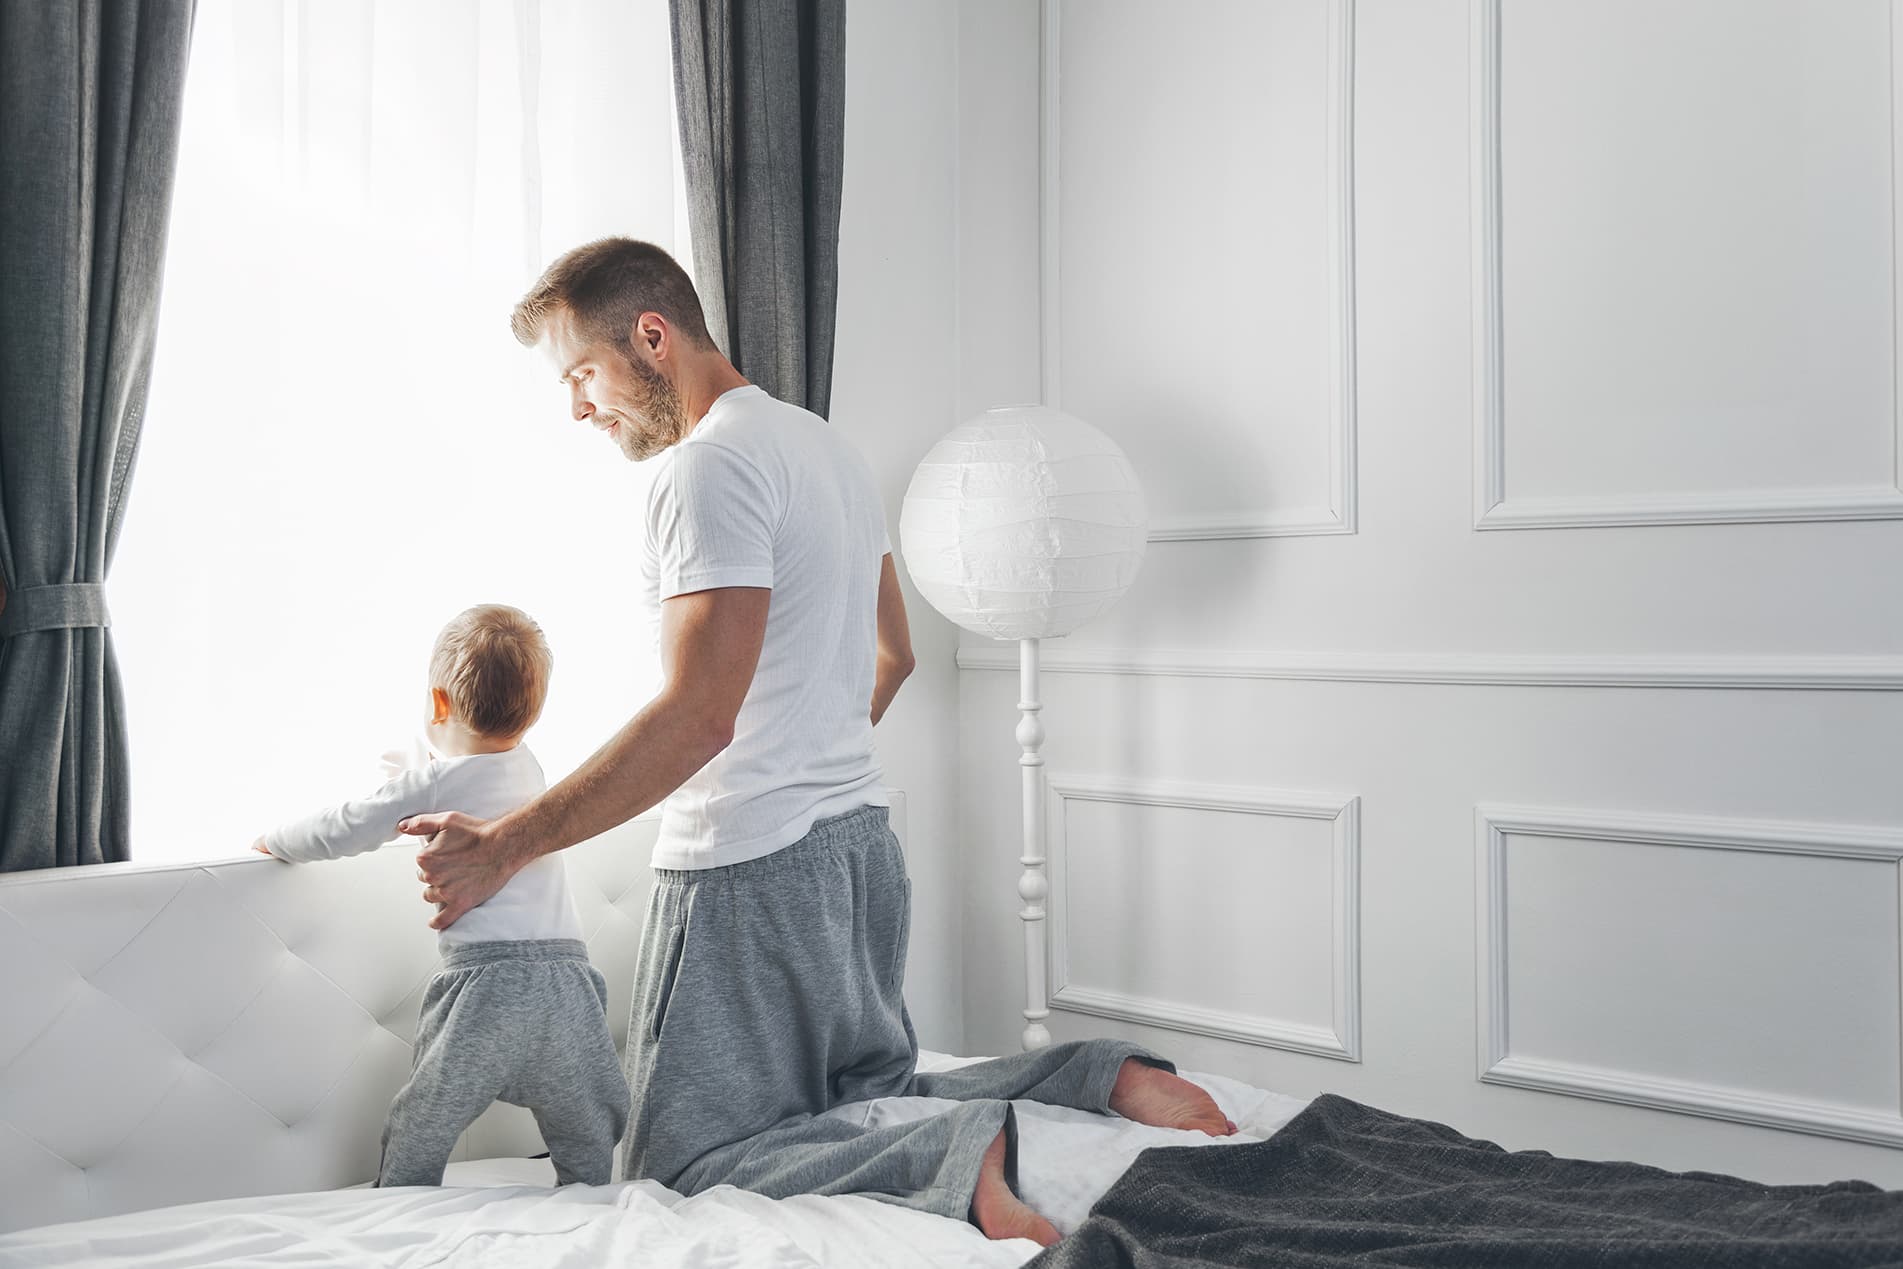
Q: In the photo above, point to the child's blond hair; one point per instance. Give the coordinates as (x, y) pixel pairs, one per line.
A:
(493, 663)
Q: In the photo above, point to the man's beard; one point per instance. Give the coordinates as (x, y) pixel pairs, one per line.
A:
(657, 420)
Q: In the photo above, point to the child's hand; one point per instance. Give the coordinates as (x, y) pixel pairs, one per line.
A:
(260, 847)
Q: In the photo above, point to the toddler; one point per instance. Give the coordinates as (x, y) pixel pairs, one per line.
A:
(517, 1013)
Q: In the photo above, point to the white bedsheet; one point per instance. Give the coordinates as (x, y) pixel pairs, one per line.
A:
(501, 1212)
(1068, 1158)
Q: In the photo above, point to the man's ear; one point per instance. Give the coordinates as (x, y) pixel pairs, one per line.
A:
(651, 332)
(439, 705)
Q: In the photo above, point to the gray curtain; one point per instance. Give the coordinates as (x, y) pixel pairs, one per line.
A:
(760, 88)
(89, 114)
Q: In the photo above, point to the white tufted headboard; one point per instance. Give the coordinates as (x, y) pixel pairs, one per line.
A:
(178, 1032)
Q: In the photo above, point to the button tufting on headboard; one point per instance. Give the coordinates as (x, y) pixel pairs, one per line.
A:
(181, 1032)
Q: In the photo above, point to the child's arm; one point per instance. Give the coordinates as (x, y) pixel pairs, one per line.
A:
(354, 827)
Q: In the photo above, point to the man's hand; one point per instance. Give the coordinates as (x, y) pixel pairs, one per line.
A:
(260, 847)
(460, 867)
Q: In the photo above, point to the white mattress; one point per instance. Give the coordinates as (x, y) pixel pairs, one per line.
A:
(503, 1212)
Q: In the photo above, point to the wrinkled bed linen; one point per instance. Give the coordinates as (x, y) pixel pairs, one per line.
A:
(500, 1212)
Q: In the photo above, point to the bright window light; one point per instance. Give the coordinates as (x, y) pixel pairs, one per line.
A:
(344, 444)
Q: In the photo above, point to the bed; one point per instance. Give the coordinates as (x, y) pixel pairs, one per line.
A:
(195, 1061)
(504, 1211)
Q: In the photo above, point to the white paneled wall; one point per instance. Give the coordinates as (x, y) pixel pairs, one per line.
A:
(1505, 727)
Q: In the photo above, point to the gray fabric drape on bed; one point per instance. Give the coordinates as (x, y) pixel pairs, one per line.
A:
(759, 87)
(90, 92)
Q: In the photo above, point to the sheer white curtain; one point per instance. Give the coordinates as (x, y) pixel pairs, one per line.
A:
(345, 445)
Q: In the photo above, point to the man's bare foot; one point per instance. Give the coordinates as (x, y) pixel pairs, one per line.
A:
(1152, 1095)
(999, 1212)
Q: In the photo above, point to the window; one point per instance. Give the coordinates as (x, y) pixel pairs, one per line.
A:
(344, 444)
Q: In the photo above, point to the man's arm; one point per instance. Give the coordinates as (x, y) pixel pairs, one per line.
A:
(710, 646)
(895, 641)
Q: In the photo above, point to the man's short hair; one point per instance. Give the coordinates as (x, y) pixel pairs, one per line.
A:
(607, 284)
(494, 664)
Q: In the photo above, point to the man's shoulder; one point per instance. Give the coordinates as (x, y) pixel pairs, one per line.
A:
(755, 421)
(769, 450)
(789, 433)
(774, 439)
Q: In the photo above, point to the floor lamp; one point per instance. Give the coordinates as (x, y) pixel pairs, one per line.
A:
(1024, 524)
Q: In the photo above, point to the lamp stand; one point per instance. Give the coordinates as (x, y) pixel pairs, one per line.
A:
(1032, 886)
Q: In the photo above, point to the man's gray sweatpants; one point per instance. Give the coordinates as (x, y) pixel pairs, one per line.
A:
(769, 992)
(524, 1022)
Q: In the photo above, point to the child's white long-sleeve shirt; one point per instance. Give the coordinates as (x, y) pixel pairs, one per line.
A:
(533, 904)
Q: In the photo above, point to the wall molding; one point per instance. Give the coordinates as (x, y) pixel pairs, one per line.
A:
(1493, 509)
(1341, 514)
(1497, 1064)
(1795, 673)
(1341, 1041)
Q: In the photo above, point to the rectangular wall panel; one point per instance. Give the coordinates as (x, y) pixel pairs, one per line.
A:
(1685, 288)
(1741, 969)
(1277, 874)
(1199, 293)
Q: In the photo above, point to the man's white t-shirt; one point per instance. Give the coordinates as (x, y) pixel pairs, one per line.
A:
(766, 494)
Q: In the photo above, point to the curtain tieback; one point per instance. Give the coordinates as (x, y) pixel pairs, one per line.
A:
(73, 605)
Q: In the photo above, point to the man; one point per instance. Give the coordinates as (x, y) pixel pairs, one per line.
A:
(768, 988)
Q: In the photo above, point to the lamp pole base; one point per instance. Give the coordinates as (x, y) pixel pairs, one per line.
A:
(1033, 887)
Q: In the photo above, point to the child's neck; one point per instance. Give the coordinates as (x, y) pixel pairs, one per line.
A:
(453, 740)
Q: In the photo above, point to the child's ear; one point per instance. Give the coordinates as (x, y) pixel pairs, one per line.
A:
(439, 705)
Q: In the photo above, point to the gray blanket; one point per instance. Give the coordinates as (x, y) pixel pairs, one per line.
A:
(1346, 1184)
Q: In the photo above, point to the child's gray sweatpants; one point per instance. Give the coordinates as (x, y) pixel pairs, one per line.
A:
(768, 992)
(524, 1022)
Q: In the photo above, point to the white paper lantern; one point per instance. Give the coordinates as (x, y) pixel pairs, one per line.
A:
(1024, 523)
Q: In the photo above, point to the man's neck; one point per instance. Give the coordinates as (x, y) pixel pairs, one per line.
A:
(712, 379)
